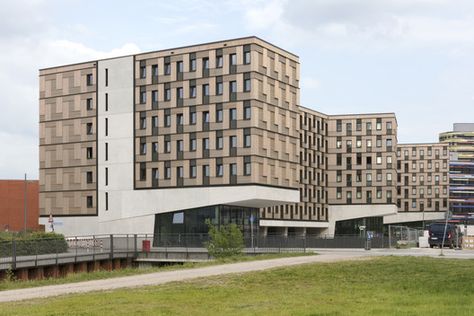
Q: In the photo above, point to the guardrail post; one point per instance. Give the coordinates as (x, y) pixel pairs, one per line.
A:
(13, 254)
(135, 242)
(75, 246)
(111, 246)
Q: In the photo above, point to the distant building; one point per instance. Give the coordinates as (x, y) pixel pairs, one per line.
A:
(461, 167)
(12, 193)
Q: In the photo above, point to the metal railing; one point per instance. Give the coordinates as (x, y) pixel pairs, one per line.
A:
(42, 252)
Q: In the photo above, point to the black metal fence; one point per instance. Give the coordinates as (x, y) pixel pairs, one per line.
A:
(17, 254)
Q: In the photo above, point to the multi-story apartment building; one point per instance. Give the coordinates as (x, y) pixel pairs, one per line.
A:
(422, 181)
(161, 141)
(126, 139)
(461, 167)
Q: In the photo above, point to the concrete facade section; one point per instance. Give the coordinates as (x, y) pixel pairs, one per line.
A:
(12, 197)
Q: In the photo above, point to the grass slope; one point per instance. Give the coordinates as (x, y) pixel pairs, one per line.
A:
(382, 286)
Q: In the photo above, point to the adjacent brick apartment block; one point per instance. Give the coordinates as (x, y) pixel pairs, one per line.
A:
(12, 205)
(160, 141)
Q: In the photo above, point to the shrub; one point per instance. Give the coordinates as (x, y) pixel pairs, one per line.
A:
(32, 243)
(225, 241)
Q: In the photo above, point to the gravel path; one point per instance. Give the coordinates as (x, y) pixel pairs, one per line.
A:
(169, 276)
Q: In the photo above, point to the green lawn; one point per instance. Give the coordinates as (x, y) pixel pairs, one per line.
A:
(103, 274)
(381, 286)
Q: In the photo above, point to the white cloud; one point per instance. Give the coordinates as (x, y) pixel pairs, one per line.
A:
(367, 24)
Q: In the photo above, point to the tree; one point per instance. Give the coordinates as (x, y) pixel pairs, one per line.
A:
(225, 241)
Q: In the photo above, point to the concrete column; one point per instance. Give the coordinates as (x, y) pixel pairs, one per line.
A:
(285, 231)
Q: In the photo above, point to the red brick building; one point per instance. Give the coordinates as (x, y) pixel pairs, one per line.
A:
(12, 204)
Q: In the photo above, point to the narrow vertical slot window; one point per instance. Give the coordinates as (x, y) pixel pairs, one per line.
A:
(106, 77)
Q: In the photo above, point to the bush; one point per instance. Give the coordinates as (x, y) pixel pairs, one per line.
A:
(32, 243)
(225, 241)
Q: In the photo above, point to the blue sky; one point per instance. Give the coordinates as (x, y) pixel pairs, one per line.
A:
(411, 57)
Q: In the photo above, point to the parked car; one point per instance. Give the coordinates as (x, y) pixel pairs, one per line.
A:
(452, 238)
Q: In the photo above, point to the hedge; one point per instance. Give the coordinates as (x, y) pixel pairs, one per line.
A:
(35, 243)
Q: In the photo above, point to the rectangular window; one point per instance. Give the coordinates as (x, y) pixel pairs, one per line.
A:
(89, 79)
(192, 118)
(179, 93)
(154, 70)
(142, 171)
(106, 201)
(89, 105)
(219, 170)
(205, 143)
(192, 91)
(247, 141)
(205, 90)
(205, 63)
(142, 120)
(205, 170)
(106, 77)
(167, 94)
(247, 168)
(89, 129)
(142, 96)
(106, 127)
(219, 115)
(106, 176)
(179, 145)
(167, 68)
(89, 153)
(167, 173)
(142, 148)
(378, 125)
(179, 172)
(233, 86)
(89, 177)
(192, 144)
(192, 171)
(247, 58)
(192, 64)
(179, 66)
(167, 146)
(233, 169)
(219, 88)
(106, 102)
(142, 72)
(220, 142)
(179, 119)
(233, 141)
(90, 203)
(233, 114)
(106, 151)
(233, 59)
(205, 117)
(219, 62)
(247, 85)
(167, 120)
(154, 121)
(154, 147)
(247, 112)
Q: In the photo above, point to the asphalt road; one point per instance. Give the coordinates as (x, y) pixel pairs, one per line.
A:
(324, 255)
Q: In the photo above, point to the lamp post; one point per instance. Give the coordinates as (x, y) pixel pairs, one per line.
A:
(25, 207)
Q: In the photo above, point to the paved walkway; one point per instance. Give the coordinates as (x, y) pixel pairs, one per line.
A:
(169, 276)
